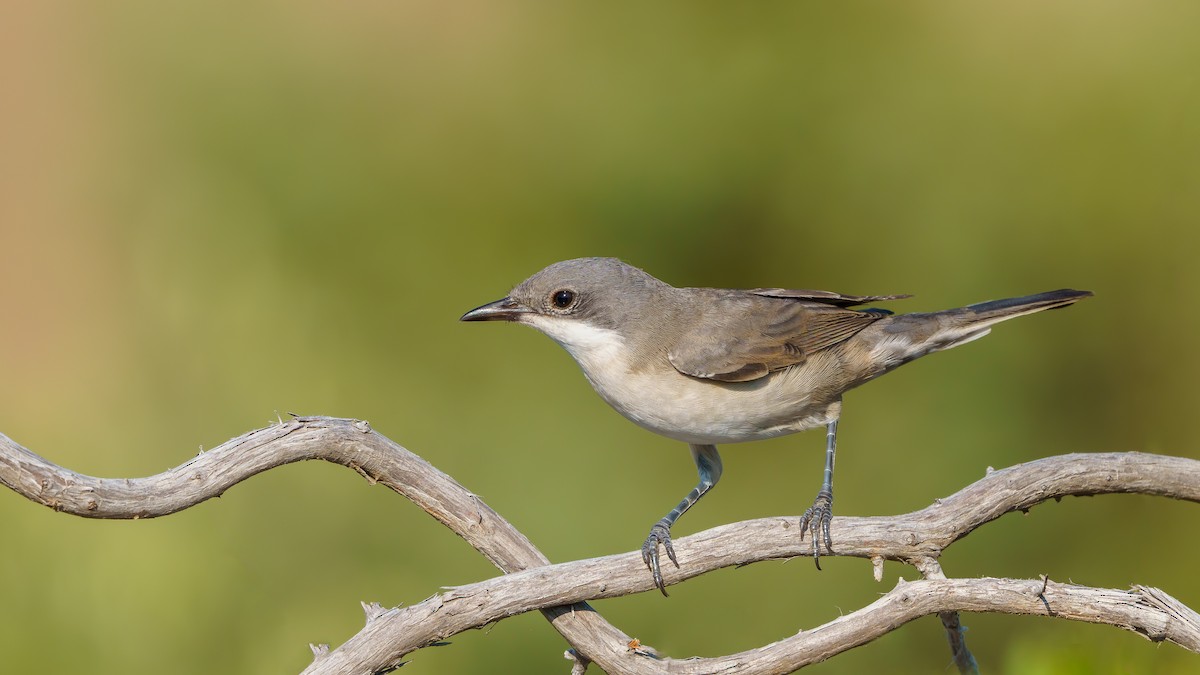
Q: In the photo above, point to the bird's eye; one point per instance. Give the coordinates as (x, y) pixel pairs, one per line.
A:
(563, 299)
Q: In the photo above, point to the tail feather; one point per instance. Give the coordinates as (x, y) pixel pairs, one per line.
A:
(905, 337)
(999, 310)
(960, 326)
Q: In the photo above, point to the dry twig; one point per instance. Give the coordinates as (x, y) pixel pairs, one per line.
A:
(916, 538)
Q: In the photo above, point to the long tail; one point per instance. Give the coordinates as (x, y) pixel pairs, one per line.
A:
(969, 321)
(904, 337)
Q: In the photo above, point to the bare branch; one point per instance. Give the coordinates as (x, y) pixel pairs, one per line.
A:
(955, 633)
(916, 538)
(579, 662)
(1148, 612)
(351, 443)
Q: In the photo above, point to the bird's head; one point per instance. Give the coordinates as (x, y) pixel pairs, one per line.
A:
(582, 304)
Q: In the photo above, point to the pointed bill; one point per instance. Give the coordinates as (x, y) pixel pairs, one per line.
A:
(505, 309)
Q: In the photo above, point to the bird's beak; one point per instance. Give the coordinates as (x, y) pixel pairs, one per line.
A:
(505, 309)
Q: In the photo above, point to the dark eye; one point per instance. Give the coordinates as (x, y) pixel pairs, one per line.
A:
(563, 299)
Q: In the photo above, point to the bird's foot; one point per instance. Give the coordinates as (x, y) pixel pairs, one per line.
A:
(816, 520)
(659, 534)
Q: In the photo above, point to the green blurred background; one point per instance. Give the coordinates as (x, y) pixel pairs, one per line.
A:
(213, 212)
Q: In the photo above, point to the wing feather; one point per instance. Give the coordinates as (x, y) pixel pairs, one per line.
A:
(746, 336)
(825, 297)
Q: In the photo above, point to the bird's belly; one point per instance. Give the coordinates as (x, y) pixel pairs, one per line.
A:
(701, 411)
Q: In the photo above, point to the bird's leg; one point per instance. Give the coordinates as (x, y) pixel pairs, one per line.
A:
(818, 515)
(708, 465)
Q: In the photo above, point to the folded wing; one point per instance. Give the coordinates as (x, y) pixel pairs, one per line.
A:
(750, 334)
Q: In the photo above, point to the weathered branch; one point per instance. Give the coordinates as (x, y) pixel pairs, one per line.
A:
(1146, 611)
(916, 538)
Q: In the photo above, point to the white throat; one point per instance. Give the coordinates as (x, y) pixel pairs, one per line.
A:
(597, 350)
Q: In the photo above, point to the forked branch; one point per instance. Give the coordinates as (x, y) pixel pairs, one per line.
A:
(916, 538)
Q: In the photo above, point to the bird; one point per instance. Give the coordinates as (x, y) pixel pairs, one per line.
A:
(711, 366)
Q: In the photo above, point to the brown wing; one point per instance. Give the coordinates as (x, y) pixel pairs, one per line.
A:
(746, 337)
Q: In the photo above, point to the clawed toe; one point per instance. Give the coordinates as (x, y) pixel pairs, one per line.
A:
(816, 519)
(659, 534)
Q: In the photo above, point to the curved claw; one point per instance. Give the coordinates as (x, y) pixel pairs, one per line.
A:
(816, 520)
(659, 534)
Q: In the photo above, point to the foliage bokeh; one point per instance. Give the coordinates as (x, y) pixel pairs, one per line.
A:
(214, 212)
